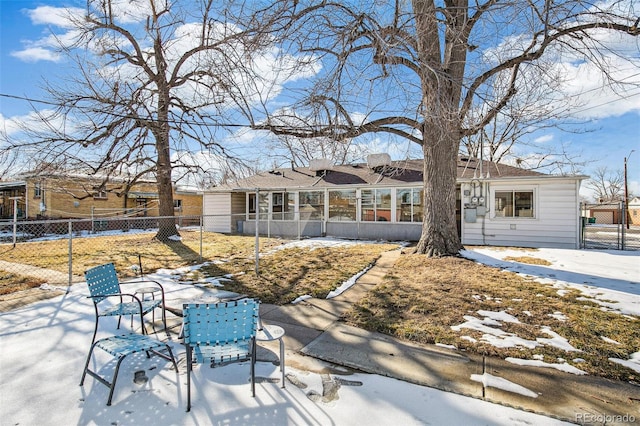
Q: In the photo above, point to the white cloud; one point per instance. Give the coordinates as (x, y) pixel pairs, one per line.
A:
(35, 54)
(543, 139)
(56, 16)
(596, 95)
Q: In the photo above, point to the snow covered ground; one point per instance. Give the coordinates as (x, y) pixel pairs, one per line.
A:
(44, 346)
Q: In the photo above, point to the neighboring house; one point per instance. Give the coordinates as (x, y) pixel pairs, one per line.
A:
(634, 211)
(63, 197)
(496, 204)
(607, 213)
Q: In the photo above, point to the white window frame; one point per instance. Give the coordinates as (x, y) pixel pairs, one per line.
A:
(101, 194)
(513, 189)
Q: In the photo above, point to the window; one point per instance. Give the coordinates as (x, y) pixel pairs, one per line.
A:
(513, 204)
(37, 190)
(251, 205)
(290, 207)
(342, 205)
(100, 194)
(409, 205)
(376, 205)
(282, 206)
(263, 206)
(177, 205)
(311, 205)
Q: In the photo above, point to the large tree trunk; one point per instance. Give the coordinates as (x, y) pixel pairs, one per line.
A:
(439, 229)
(442, 68)
(167, 225)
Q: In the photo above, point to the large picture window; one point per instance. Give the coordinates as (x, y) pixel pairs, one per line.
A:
(376, 205)
(409, 205)
(514, 204)
(342, 205)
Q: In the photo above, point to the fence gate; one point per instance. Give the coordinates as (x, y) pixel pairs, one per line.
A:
(604, 226)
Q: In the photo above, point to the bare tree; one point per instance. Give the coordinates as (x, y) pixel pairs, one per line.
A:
(426, 71)
(147, 79)
(538, 105)
(298, 152)
(607, 185)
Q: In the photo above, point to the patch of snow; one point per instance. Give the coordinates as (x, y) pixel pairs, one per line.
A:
(536, 363)
(499, 316)
(606, 339)
(491, 381)
(482, 325)
(508, 340)
(175, 237)
(469, 338)
(559, 316)
(442, 345)
(347, 284)
(556, 341)
(321, 242)
(633, 362)
(588, 271)
(301, 298)
(49, 287)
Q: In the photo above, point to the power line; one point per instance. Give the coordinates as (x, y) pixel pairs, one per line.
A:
(200, 123)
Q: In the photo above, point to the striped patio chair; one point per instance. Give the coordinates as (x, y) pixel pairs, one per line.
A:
(220, 333)
(104, 285)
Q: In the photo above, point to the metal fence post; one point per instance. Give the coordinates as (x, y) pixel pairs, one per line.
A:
(201, 235)
(257, 248)
(70, 255)
(623, 211)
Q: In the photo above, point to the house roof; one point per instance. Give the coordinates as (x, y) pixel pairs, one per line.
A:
(396, 173)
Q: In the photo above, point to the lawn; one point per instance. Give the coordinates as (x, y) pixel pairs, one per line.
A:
(422, 299)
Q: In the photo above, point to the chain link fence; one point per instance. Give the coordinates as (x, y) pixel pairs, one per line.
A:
(607, 226)
(59, 251)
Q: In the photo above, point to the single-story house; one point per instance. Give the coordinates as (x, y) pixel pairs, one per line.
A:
(63, 197)
(383, 199)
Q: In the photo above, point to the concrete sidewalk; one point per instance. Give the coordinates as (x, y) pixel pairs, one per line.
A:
(315, 332)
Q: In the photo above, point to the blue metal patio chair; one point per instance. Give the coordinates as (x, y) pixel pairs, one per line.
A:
(122, 346)
(220, 333)
(103, 284)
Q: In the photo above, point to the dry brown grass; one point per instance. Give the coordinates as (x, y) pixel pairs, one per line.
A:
(10, 282)
(528, 259)
(123, 251)
(289, 273)
(422, 298)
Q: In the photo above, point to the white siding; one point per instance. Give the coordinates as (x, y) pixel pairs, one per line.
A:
(556, 221)
(217, 211)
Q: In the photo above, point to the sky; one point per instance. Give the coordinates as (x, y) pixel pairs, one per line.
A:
(45, 376)
(611, 121)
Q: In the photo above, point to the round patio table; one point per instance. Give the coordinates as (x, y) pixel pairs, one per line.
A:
(268, 333)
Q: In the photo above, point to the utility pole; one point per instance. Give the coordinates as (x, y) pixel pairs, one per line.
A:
(626, 190)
